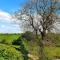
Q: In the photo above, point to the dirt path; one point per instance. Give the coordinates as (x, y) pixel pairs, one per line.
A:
(33, 57)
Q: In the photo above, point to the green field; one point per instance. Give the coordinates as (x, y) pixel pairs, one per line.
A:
(8, 51)
(8, 38)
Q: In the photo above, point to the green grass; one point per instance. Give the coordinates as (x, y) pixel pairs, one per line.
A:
(8, 51)
(52, 52)
(8, 38)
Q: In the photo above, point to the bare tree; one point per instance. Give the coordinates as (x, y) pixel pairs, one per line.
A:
(39, 16)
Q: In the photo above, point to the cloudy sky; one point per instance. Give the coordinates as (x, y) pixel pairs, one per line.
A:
(7, 7)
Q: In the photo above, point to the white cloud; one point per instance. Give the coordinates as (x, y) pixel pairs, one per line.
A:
(7, 17)
(7, 24)
(4, 15)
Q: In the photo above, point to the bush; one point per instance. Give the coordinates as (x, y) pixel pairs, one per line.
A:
(28, 36)
(9, 53)
(17, 42)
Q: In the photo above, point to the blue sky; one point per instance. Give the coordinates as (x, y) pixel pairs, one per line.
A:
(11, 5)
(7, 7)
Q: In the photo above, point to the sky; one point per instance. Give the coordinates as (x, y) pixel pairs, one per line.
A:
(7, 7)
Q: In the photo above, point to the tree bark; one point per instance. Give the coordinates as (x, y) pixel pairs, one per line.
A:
(41, 45)
(36, 33)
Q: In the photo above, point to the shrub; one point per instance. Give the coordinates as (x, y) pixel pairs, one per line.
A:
(28, 36)
(9, 53)
(17, 42)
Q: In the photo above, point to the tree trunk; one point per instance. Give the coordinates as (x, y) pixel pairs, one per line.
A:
(41, 44)
(36, 33)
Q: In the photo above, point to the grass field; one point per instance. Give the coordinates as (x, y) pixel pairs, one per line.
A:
(9, 52)
(8, 38)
